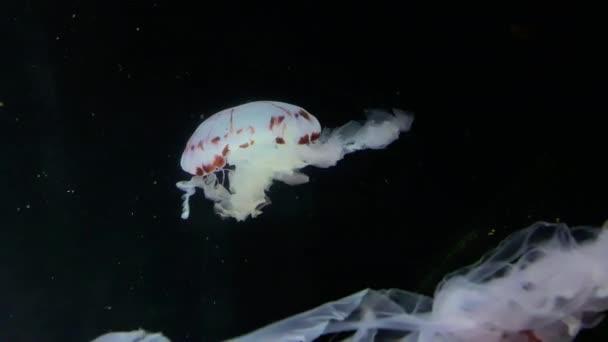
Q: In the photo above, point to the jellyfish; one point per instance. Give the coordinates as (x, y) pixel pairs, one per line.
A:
(235, 155)
(139, 335)
(545, 283)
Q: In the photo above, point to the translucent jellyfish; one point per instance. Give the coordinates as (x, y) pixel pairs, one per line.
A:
(237, 153)
(131, 336)
(544, 283)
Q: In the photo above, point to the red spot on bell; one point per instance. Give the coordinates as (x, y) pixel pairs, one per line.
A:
(218, 162)
(275, 121)
(304, 140)
(304, 114)
(208, 168)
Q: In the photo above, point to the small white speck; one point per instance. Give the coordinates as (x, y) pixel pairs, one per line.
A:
(137, 29)
(27, 206)
(107, 307)
(155, 182)
(92, 114)
(132, 213)
(57, 38)
(73, 15)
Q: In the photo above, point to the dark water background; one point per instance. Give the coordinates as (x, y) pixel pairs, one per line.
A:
(99, 98)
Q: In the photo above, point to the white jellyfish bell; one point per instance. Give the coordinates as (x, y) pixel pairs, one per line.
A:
(237, 153)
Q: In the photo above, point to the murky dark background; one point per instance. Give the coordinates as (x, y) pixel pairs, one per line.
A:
(97, 101)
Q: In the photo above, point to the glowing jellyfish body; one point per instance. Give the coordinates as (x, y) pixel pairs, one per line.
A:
(252, 144)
